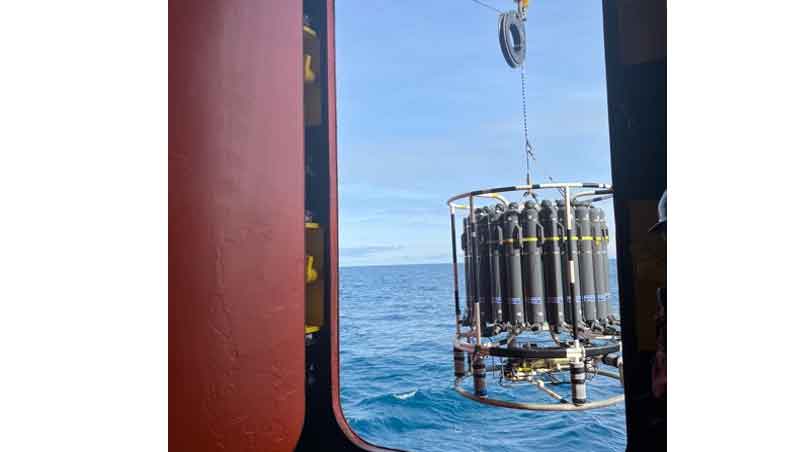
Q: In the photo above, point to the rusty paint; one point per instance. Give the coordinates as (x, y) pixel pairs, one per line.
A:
(236, 237)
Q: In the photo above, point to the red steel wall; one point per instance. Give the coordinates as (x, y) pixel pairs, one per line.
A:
(236, 212)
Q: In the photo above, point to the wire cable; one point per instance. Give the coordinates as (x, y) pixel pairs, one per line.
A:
(487, 6)
(528, 148)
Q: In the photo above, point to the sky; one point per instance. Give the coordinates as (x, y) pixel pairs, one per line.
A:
(427, 108)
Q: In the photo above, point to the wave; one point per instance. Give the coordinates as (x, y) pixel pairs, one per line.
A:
(405, 395)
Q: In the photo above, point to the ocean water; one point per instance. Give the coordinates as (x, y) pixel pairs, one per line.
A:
(396, 330)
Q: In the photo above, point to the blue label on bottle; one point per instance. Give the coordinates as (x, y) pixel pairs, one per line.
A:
(589, 298)
(535, 300)
(515, 300)
(497, 300)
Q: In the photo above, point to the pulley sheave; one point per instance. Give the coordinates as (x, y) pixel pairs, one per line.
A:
(512, 38)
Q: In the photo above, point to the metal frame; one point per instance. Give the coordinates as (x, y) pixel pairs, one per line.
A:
(573, 350)
(562, 405)
(564, 187)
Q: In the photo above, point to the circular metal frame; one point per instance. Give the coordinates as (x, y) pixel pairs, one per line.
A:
(494, 349)
(542, 406)
(509, 188)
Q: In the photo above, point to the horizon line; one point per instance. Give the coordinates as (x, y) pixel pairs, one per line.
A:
(415, 263)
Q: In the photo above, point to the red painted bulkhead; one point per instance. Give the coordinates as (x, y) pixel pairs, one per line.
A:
(236, 237)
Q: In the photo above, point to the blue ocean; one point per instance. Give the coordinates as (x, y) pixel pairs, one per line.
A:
(396, 330)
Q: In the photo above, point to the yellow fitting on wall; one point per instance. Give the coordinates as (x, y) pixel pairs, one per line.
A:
(312, 275)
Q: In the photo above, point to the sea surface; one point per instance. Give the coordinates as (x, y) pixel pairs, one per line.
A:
(396, 330)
